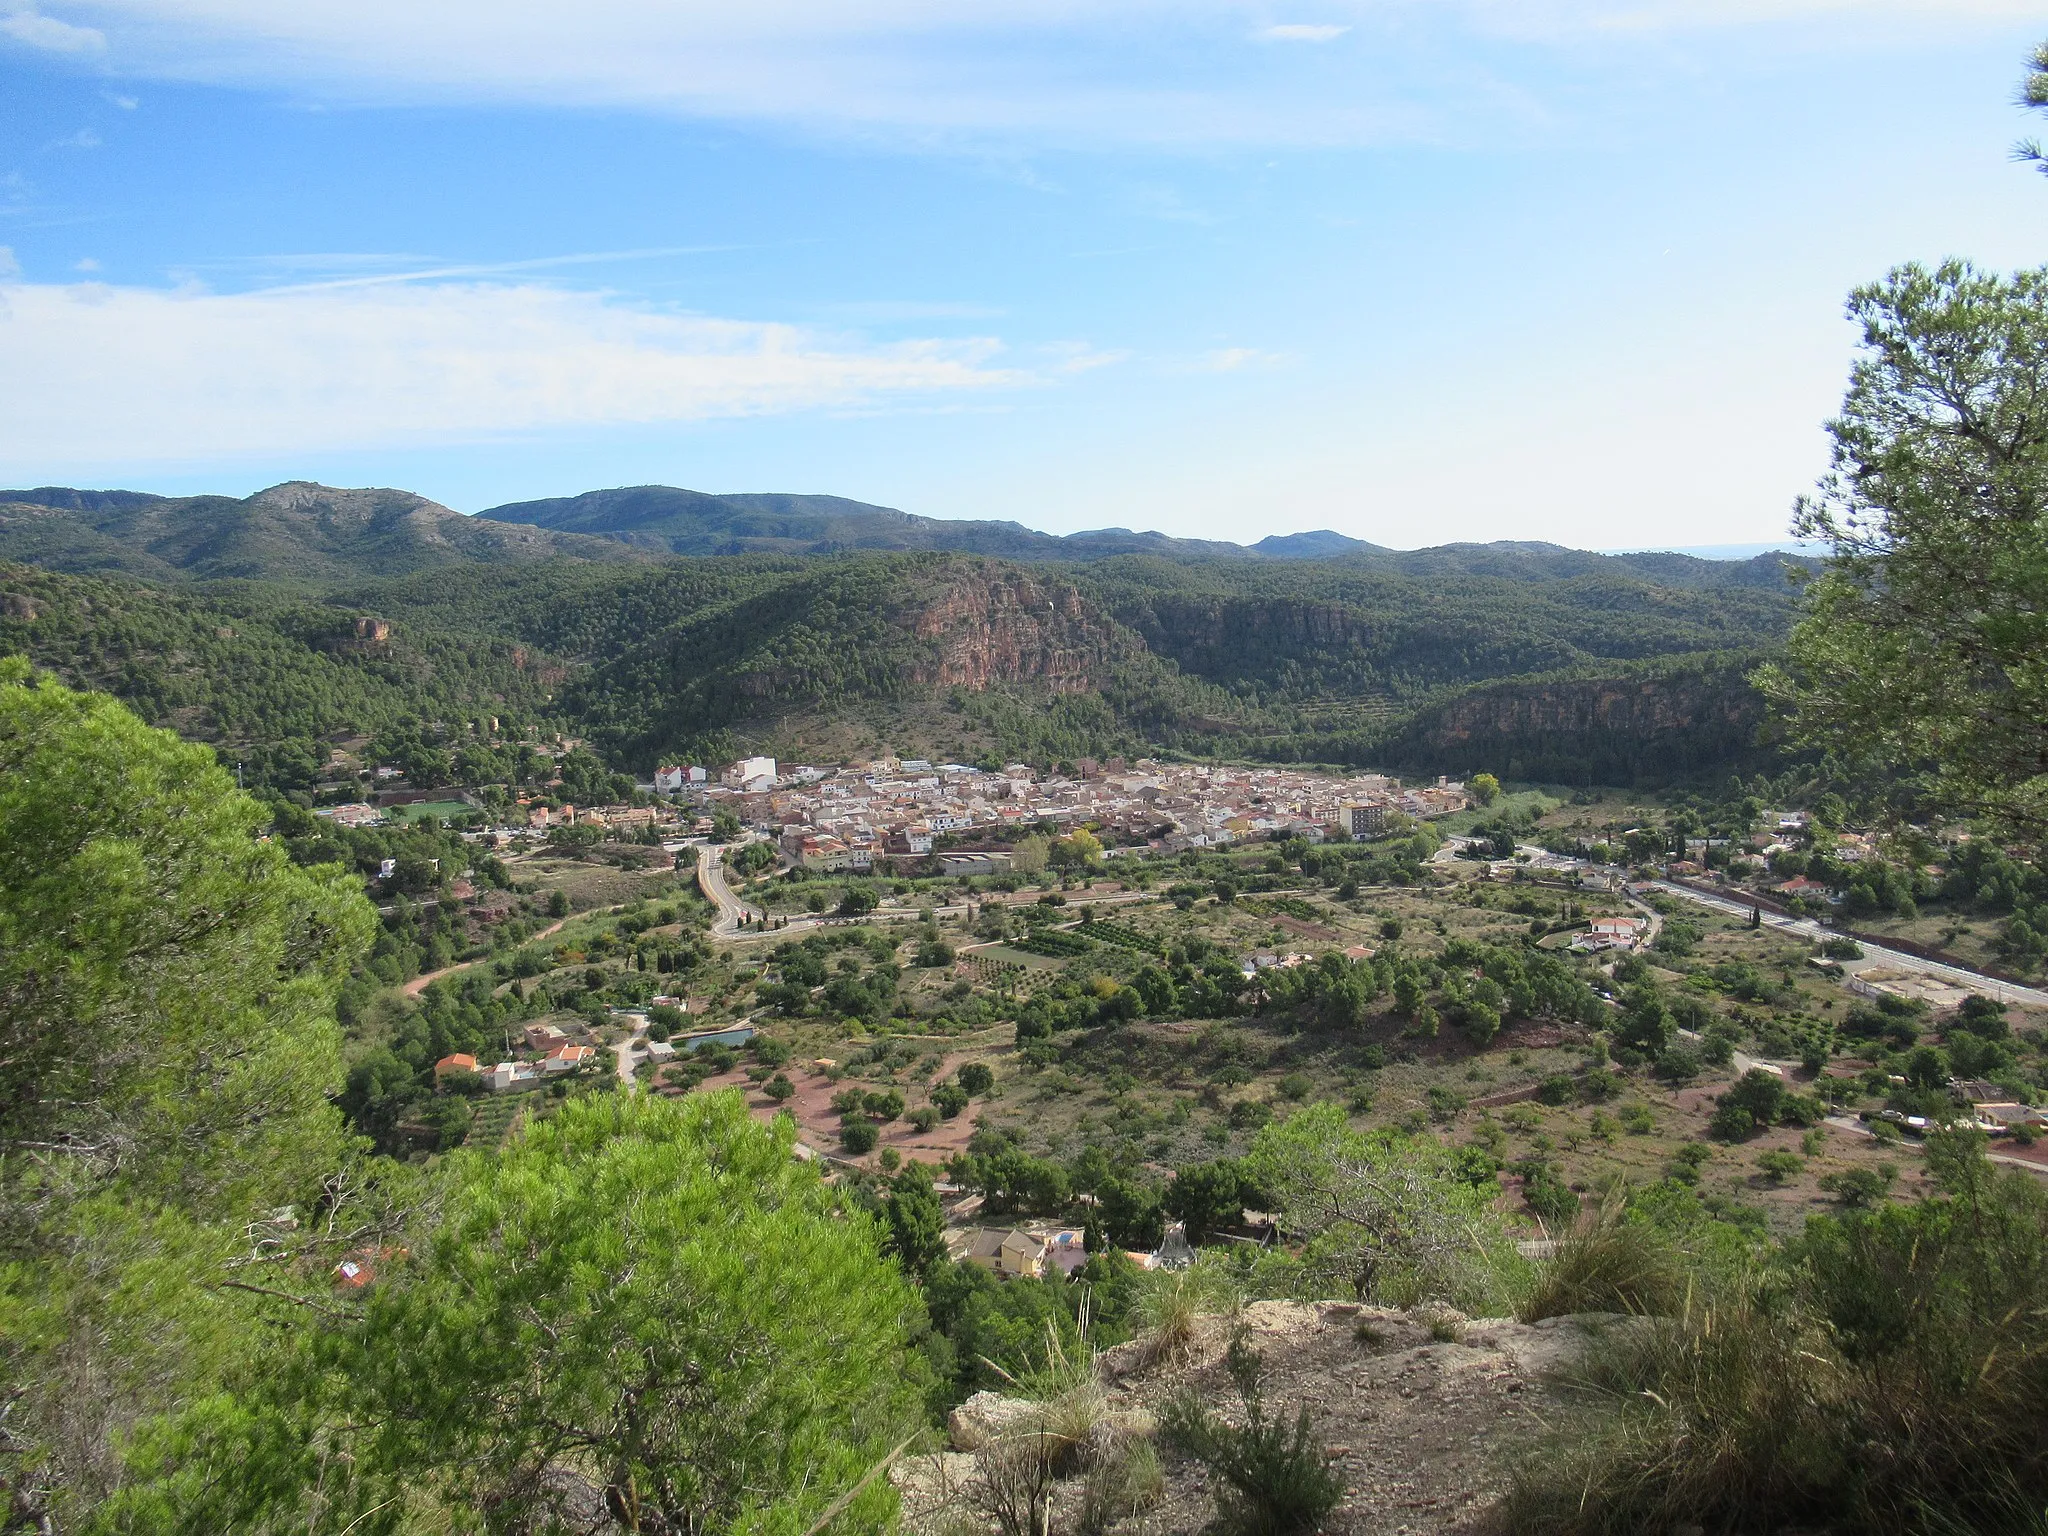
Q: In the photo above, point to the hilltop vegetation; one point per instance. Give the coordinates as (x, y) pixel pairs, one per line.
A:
(957, 655)
(295, 531)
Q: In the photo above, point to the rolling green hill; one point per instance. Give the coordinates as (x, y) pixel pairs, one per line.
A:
(264, 674)
(296, 531)
(1564, 662)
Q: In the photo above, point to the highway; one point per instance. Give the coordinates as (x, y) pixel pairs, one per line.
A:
(1806, 928)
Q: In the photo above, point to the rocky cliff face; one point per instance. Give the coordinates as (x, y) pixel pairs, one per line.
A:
(1218, 637)
(1629, 707)
(989, 624)
(1643, 730)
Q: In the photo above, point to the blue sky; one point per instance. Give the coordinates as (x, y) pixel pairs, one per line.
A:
(1418, 270)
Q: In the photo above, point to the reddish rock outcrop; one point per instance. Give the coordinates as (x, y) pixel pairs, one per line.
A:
(994, 625)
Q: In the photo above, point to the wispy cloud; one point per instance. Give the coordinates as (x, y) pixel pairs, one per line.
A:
(85, 138)
(1303, 32)
(50, 34)
(1091, 72)
(86, 264)
(1080, 356)
(1235, 359)
(896, 311)
(193, 376)
(442, 273)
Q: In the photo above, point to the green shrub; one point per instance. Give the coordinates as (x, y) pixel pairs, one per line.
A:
(858, 1137)
(1618, 1262)
(1751, 1103)
(1548, 1195)
(1779, 1165)
(1558, 1088)
(1268, 1478)
(1250, 1114)
(1444, 1103)
(885, 1105)
(1686, 1162)
(1861, 1188)
(1678, 1062)
(1889, 1373)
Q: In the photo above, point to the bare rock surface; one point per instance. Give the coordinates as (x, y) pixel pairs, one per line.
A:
(984, 1417)
(1424, 1428)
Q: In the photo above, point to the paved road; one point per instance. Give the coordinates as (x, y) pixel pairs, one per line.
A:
(1856, 1127)
(1806, 928)
(711, 881)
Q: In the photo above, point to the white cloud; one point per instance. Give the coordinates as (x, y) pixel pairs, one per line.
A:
(125, 103)
(1082, 71)
(1562, 16)
(86, 264)
(101, 375)
(85, 138)
(1235, 359)
(47, 32)
(9, 267)
(1304, 32)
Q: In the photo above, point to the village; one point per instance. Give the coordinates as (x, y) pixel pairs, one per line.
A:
(888, 811)
(986, 893)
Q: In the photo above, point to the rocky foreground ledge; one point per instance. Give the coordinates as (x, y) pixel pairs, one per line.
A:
(1423, 1414)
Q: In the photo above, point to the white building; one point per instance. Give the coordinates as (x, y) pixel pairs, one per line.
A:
(750, 772)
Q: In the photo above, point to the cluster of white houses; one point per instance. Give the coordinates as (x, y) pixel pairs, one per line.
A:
(898, 810)
(857, 815)
(551, 1054)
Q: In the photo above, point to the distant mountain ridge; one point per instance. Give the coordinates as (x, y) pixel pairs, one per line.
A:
(295, 531)
(303, 531)
(660, 517)
(682, 522)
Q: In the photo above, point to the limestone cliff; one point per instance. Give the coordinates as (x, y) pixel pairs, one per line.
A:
(1649, 727)
(991, 624)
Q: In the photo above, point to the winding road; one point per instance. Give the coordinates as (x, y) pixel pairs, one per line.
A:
(732, 912)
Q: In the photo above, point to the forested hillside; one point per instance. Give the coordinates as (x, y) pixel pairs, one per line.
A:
(269, 675)
(650, 657)
(295, 531)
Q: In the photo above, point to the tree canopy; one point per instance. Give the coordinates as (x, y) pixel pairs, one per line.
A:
(1925, 635)
(640, 1308)
(167, 1046)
